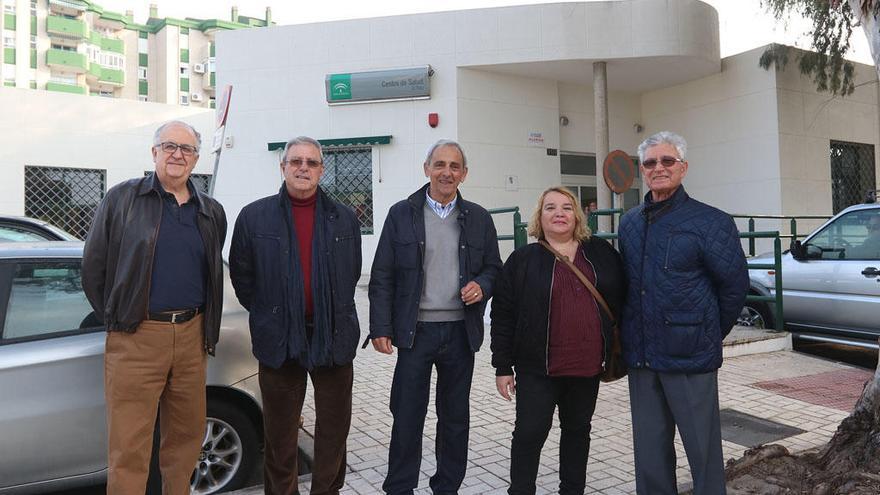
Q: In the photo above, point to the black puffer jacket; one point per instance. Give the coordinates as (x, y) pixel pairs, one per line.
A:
(118, 256)
(521, 303)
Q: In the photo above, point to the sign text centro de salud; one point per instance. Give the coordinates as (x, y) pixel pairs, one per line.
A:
(391, 84)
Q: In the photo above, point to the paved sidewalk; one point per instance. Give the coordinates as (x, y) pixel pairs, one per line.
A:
(758, 384)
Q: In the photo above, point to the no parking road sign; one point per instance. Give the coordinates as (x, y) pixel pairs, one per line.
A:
(619, 171)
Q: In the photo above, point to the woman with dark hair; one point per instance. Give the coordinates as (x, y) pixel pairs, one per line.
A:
(551, 337)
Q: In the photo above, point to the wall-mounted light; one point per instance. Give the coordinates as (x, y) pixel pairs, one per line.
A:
(638, 128)
(433, 119)
(563, 120)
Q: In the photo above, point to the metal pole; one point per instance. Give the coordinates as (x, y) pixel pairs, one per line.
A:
(793, 229)
(751, 239)
(777, 260)
(600, 115)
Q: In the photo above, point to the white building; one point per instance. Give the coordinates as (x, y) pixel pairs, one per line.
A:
(503, 79)
(59, 153)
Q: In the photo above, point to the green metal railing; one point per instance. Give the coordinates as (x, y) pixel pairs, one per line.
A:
(776, 266)
(593, 219)
(793, 235)
(519, 236)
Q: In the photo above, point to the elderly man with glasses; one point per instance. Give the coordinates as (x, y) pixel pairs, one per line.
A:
(295, 260)
(687, 282)
(152, 271)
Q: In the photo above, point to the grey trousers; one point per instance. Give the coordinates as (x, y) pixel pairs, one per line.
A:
(660, 402)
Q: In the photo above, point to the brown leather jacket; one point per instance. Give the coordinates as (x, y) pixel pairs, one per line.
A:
(118, 256)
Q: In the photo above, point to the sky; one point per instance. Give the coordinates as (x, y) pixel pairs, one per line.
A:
(744, 24)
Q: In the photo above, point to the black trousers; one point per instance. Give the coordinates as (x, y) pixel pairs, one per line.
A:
(537, 397)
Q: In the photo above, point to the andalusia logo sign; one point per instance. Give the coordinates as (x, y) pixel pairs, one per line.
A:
(340, 87)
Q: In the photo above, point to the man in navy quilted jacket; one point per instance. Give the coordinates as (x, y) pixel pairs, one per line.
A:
(687, 280)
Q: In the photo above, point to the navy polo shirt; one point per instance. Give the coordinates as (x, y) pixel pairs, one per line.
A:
(180, 267)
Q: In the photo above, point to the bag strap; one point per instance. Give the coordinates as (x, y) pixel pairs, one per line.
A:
(592, 288)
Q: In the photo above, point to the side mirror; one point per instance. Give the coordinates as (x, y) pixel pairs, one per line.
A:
(797, 251)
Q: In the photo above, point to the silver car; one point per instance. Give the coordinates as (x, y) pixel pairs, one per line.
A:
(830, 281)
(52, 419)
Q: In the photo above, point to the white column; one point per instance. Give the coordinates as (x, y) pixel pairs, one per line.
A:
(600, 113)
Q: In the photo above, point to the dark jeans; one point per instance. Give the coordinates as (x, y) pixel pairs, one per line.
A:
(537, 396)
(284, 391)
(444, 345)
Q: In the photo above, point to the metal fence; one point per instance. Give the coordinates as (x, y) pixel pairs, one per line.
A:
(348, 178)
(202, 182)
(65, 197)
(852, 173)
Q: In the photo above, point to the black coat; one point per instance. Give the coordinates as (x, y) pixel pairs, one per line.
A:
(267, 278)
(398, 274)
(118, 256)
(521, 304)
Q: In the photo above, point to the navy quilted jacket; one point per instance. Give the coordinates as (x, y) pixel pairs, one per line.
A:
(687, 284)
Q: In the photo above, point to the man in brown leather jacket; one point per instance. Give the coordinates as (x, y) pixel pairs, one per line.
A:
(153, 272)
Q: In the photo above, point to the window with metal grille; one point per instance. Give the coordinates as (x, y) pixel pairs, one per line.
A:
(852, 173)
(348, 178)
(64, 197)
(202, 182)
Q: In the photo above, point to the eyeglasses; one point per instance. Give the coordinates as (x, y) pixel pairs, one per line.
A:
(298, 162)
(666, 161)
(171, 148)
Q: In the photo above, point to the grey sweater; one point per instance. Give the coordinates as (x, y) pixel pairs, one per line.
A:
(441, 297)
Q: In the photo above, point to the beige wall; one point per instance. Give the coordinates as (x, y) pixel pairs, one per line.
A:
(808, 121)
(62, 130)
(729, 120)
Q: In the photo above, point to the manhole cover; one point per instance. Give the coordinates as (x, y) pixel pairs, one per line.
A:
(751, 431)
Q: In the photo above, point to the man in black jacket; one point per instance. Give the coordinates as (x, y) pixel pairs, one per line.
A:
(152, 271)
(433, 272)
(295, 260)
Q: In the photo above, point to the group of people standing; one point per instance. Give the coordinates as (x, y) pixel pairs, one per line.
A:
(152, 270)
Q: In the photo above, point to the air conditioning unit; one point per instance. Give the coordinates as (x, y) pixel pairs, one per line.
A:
(196, 97)
(199, 68)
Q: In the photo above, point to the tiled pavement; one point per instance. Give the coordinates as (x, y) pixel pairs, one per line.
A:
(766, 385)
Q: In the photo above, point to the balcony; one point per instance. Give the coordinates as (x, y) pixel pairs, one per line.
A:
(103, 76)
(112, 76)
(67, 60)
(65, 88)
(112, 45)
(63, 27)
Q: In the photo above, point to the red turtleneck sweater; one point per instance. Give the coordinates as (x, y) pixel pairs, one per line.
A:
(303, 212)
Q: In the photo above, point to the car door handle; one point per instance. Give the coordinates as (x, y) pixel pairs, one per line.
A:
(870, 271)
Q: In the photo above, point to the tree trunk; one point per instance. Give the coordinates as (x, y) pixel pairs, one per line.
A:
(849, 463)
(870, 26)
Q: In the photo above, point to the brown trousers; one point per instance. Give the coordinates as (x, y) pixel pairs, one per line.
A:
(161, 364)
(284, 391)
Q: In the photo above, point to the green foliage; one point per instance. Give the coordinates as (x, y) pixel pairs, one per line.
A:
(833, 22)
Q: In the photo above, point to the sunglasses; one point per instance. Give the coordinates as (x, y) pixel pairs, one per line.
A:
(666, 161)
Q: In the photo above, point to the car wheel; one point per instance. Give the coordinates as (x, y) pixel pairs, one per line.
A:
(755, 315)
(229, 450)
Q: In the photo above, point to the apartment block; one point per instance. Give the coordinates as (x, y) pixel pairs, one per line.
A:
(75, 46)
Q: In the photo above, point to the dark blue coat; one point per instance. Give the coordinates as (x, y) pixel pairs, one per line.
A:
(267, 277)
(687, 283)
(398, 274)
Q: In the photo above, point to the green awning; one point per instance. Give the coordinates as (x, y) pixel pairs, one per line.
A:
(355, 141)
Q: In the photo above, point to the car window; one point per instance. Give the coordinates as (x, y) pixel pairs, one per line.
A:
(9, 233)
(854, 235)
(45, 298)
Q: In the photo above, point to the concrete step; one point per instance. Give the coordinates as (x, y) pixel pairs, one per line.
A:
(743, 341)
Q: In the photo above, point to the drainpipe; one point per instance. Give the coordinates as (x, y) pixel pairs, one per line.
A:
(234, 13)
